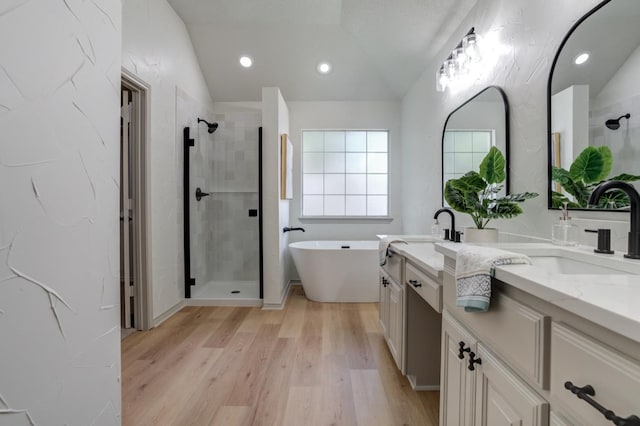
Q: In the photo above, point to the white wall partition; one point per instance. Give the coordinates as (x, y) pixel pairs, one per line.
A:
(59, 183)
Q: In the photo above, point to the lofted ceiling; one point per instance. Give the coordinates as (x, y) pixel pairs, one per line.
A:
(377, 48)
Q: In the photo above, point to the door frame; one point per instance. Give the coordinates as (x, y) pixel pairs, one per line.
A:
(143, 312)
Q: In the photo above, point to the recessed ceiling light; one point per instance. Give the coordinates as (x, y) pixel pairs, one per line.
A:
(581, 58)
(246, 61)
(324, 68)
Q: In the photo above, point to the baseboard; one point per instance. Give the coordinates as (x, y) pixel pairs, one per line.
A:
(224, 302)
(283, 300)
(168, 314)
(419, 388)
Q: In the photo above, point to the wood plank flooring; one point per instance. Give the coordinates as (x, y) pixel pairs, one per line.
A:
(309, 364)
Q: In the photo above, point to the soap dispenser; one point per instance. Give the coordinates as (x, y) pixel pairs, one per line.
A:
(564, 232)
(437, 230)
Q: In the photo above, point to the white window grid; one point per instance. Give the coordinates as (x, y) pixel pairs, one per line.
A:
(367, 173)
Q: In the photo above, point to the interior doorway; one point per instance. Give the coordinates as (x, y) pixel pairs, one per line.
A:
(135, 294)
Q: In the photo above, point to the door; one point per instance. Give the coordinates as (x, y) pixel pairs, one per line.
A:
(502, 398)
(457, 393)
(127, 282)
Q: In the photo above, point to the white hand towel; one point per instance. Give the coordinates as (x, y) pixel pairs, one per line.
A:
(383, 248)
(475, 265)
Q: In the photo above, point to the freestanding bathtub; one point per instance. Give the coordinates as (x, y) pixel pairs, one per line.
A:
(337, 271)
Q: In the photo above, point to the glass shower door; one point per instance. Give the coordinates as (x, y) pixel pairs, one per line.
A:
(225, 230)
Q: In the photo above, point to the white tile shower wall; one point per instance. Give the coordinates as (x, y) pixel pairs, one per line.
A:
(59, 183)
(531, 32)
(156, 47)
(225, 240)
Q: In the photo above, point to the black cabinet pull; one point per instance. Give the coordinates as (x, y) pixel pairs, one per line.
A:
(473, 360)
(462, 350)
(586, 392)
(415, 283)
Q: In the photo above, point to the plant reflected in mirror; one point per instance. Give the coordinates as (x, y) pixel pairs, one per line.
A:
(590, 168)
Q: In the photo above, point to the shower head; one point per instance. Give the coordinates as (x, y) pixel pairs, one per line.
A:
(614, 124)
(211, 126)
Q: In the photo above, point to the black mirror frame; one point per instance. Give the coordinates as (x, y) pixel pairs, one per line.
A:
(549, 83)
(507, 132)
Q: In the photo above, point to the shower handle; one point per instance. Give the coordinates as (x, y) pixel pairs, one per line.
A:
(200, 194)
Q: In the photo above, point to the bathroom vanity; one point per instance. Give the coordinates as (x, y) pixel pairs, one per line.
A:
(551, 330)
(410, 310)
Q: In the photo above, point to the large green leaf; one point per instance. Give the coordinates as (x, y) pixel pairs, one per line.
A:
(504, 210)
(592, 165)
(518, 198)
(625, 177)
(456, 198)
(492, 167)
(470, 182)
(560, 175)
(614, 199)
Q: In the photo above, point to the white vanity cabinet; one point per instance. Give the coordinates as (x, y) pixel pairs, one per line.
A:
(391, 307)
(478, 387)
(533, 360)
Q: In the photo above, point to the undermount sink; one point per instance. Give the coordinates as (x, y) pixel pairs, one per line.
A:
(573, 260)
(564, 265)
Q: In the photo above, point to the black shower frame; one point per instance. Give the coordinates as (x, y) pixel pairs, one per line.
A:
(187, 143)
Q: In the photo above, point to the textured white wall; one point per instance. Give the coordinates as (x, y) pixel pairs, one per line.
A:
(158, 50)
(275, 121)
(532, 32)
(346, 115)
(59, 184)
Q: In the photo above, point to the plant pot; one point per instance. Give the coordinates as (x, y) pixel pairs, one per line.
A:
(475, 235)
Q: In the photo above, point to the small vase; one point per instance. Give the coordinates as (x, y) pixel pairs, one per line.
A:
(475, 235)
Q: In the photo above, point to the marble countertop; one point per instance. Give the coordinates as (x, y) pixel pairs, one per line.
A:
(420, 251)
(612, 301)
(423, 255)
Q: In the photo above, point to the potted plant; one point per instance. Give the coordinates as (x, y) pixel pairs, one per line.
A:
(476, 193)
(590, 168)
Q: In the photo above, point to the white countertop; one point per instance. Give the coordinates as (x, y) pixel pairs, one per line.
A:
(423, 255)
(612, 301)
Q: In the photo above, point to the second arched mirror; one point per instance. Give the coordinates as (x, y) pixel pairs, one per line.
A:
(471, 130)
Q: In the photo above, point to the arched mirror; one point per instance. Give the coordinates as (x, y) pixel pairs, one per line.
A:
(593, 99)
(471, 130)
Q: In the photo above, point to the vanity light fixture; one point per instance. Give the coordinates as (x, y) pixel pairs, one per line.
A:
(460, 63)
(246, 61)
(581, 58)
(324, 67)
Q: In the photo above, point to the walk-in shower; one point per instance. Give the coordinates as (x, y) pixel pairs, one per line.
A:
(222, 209)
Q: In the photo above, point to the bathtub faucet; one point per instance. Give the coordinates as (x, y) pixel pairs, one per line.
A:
(287, 229)
(451, 232)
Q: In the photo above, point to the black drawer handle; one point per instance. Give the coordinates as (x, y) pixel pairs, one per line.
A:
(415, 283)
(462, 350)
(473, 360)
(586, 392)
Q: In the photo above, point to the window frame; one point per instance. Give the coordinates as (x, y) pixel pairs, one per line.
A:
(365, 194)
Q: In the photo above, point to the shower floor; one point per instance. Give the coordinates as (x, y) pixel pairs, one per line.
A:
(223, 290)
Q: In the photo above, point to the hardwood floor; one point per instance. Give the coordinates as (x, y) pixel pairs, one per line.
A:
(309, 364)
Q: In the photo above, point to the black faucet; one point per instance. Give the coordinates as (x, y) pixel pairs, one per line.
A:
(633, 245)
(287, 229)
(452, 232)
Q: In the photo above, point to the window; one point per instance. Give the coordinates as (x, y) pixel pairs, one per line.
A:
(345, 173)
(463, 151)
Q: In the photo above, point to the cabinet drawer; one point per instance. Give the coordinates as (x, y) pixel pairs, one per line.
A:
(584, 361)
(426, 287)
(518, 333)
(393, 267)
